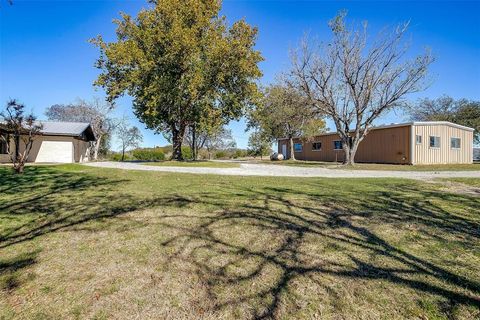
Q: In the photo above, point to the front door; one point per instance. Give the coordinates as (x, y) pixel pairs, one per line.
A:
(284, 150)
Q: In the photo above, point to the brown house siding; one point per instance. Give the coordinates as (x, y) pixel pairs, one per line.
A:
(80, 148)
(387, 145)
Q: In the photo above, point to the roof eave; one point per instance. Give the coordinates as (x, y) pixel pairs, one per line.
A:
(396, 125)
(446, 123)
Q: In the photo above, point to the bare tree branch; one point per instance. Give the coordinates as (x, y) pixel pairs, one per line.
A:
(354, 82)
(20, 130)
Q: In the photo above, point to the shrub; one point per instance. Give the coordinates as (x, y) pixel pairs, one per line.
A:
(118, 157)
(240, 153)
(165, 149)
(187, 153)
(149, 154)
(203, 154)
(115, 157)
(221, 154)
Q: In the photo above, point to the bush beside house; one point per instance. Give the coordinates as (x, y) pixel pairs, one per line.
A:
(165, 153)
(148, 154)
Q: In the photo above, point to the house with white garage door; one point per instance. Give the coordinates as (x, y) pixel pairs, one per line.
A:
(58, 142)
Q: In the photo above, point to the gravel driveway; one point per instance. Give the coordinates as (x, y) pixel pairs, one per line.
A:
(248, 169)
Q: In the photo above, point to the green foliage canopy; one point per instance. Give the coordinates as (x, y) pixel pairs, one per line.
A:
(179, 60)
(286, 112)
(464, 112)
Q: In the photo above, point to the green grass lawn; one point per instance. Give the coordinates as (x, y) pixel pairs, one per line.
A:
(80, 242)
(377, 166)
(200, 164)
(467, 181)
(417, 167)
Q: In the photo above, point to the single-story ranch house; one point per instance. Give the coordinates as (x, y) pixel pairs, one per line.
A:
(59, 142)
(436, 142)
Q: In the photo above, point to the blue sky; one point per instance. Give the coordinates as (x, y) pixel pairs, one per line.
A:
(45, 57)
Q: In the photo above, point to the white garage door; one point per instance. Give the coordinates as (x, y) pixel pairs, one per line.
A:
(55, 151)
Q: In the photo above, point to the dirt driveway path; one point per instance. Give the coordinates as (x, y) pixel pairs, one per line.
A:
(247, 169)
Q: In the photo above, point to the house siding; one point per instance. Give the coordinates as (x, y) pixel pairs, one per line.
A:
(80, 148)
(387, 145)
(396, 145)
(4, 158)
(424, 154)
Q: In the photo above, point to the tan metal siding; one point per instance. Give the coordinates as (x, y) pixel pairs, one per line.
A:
(388, 145)
(424, 154)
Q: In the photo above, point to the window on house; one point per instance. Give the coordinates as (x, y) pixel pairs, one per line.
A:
(455, 143)
(434, 142)
(337, 145)
(3, 146)
(316, 146)
(297, 147)
(419, 139)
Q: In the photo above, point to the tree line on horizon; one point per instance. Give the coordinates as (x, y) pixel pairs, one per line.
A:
(189, 73)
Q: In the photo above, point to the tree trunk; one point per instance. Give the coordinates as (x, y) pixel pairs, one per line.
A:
(347, 156)
(18, 168)
(97, 147)
(177, 137)
(17, 147)
(194, 142)
(350, 149)
(123, 154)
(292, 149)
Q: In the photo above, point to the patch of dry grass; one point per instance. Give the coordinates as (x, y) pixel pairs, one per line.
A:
(467, 181)
(90, 243)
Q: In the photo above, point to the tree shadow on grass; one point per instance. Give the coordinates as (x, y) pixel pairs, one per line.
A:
(10, 270)
(45, 200)
(286, 232)
(250, 251)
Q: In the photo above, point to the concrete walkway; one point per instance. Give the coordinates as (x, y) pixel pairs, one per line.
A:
(248, 169)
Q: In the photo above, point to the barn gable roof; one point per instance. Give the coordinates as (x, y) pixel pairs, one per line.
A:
(74, 129)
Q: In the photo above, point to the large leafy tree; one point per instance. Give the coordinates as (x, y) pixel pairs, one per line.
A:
(177, 59)
(354, 79)
(464, 112)
(286, 112)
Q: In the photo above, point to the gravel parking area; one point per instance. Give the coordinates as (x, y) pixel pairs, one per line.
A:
(247, 169)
